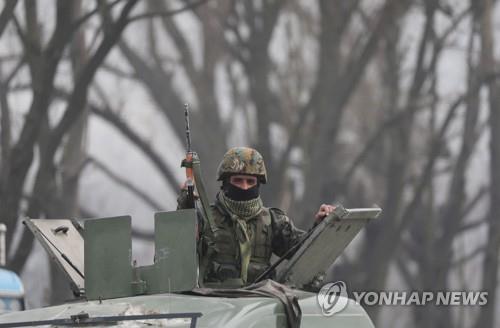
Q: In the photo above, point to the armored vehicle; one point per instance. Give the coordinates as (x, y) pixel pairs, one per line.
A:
(111, 290)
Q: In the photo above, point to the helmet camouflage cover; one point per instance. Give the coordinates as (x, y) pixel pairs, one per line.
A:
(242, 160)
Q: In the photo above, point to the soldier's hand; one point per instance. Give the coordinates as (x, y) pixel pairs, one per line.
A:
(323, 212)
(184, 187)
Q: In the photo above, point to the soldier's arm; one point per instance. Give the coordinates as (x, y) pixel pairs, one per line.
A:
(285, 234)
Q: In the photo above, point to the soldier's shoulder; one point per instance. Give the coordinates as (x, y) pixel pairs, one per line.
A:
(218, 212)
(277, 211)
(278, 215)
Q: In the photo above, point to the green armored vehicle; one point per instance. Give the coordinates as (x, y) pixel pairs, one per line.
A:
(110, 290)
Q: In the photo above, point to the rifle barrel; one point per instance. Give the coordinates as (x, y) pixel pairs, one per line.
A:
(188, 131)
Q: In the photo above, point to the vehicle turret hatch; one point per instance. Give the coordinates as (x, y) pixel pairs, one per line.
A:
(102, 267)
(64, 244)
(108, 253)
(324, 244)
(110, 271)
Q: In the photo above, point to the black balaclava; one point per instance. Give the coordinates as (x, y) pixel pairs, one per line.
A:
(238, 194)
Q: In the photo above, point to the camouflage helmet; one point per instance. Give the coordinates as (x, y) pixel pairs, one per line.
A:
(242, 160)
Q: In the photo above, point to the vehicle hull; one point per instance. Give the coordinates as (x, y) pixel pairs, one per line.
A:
(215, 311)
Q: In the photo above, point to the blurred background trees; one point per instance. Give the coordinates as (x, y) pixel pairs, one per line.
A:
(359, 102)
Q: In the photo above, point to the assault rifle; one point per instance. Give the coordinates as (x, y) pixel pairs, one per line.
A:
(193, 176)
(187, 162)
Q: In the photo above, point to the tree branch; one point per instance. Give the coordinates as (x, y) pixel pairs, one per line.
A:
(124, 183)
(136, 140)
(409, 211)
(471, 225)
(408, 277)
(137, 234)
(483, 191)
(468, 257)
(372, 141)
(84, 18)
(7, 13)
(78, 98)
(169, 13)
(186, 56)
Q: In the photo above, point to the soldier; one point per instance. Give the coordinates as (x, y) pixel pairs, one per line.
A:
(247, 232)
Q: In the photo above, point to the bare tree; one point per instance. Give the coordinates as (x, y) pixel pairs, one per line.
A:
(37, 132)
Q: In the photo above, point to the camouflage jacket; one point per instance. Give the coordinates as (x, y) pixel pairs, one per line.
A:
(270, 232)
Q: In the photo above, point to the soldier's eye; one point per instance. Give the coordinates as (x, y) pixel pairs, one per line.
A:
(251, 181)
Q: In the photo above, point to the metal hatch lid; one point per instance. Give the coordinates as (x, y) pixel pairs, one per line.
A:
(325, 243)
(64, 243)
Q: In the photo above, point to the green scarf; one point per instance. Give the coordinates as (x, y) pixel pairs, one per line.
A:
(241, 212)
(245, 209)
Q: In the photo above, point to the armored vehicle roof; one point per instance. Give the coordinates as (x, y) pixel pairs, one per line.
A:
(208, 311)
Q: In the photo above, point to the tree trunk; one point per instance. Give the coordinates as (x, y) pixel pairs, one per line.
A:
(71, 163)
(486, 318)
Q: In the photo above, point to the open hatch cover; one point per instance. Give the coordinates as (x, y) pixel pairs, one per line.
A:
(65, 245)
(102, 268)
(325, 243)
